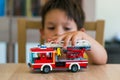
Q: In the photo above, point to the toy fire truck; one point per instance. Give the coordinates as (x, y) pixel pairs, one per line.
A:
(46, 57)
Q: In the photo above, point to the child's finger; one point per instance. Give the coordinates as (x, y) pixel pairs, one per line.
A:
(67, 40)
(58, 38)
(75, 39)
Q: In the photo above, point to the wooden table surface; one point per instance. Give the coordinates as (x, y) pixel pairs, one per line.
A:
(93, 72)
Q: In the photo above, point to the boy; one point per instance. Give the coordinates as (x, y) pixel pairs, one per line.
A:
(63, 20)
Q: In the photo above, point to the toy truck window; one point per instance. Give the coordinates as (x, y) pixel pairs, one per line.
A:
(49, 55)
(36, 55)
(31, 58)
(77, 43)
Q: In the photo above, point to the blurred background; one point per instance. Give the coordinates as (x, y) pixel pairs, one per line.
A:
(11, 10)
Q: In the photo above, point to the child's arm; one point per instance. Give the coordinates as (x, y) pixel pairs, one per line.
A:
(97, 54)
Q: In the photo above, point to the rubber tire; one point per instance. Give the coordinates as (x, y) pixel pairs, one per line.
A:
(46, 69)
(74, 68)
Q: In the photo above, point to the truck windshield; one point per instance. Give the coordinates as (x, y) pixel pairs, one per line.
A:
(31, 57)
(34, 56)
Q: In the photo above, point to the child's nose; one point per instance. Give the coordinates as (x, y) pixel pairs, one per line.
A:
(58, 31)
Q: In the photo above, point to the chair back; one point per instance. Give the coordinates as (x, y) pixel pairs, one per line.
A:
(24, 24)
(98, 27)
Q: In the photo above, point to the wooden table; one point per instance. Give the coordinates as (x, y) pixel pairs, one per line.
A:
(93, 72)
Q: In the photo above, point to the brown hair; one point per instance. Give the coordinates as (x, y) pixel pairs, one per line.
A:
(72, 8)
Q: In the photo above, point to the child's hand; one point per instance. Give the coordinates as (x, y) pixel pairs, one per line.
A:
(69, 36)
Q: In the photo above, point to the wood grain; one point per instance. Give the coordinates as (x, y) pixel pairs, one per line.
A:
(93, 72)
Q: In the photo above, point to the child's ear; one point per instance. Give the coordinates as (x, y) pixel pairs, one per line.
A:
(82, 29)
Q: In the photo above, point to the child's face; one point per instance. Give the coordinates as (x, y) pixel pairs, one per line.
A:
(57, 23)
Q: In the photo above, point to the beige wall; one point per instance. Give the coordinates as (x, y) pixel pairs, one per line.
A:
(109, 10)
(89, 8)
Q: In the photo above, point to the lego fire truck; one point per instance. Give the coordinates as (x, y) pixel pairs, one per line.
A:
(47, 57)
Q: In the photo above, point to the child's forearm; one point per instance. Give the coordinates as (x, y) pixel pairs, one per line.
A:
(97, 54)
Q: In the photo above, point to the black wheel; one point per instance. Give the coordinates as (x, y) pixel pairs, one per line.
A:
(74, 68)
(46, 69)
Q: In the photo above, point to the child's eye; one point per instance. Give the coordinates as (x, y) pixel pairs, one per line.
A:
(51, 28)
(67, 29)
